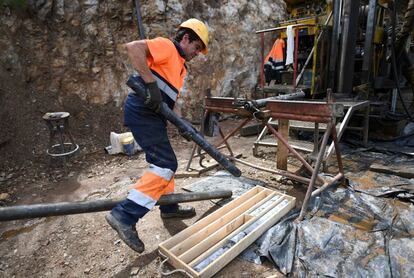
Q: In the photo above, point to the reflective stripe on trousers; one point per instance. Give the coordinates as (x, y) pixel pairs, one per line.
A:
(150, 132)
(149, 188)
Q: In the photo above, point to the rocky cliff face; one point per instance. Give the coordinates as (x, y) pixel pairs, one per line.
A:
(62, 55)
(70, 47)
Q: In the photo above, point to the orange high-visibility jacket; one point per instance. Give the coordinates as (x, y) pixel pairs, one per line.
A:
(277, 51)
(167, 64)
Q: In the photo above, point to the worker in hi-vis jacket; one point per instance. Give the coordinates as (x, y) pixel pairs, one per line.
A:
(274, 61)
(160, 62)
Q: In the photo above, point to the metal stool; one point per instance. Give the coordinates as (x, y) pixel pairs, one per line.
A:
(61, 142)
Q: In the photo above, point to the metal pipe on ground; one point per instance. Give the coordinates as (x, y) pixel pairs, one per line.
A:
(66, 208)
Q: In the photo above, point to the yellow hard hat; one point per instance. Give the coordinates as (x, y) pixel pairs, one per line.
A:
(200, 29)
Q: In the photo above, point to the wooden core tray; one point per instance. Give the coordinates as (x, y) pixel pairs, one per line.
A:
(211, 243)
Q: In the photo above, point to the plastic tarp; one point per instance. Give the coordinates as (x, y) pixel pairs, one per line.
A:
(346, 233)
(223, 180)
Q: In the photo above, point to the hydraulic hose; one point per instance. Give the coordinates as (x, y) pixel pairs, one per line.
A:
(186, 129)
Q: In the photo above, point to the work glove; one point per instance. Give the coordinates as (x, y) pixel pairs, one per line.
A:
(153, 99)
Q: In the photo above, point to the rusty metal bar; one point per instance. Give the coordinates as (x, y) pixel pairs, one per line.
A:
(225, 142)
(235, 130)
(308, 110)
(337, 150)
(277, 172)
(315, 172)
(225, 105)
(314, 119)
(223, 109)
(325, 186)
(202, 153)
(293, 151)
(187, 168)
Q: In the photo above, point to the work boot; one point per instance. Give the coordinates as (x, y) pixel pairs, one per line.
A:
(127, 233)
(176, 211)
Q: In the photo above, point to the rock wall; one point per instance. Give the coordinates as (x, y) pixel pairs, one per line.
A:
(70, 47)
(62, 55)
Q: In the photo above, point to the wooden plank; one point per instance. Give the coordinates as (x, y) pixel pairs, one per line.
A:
(282, 150)
(249, 219)
(228, 256)
(405, 171)
(186, 174)
(170, 243)
(176, 262)
(204, 232)
(212, 239)
(195, 251)
(242, 215)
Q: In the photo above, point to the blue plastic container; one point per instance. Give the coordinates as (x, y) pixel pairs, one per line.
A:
(128, 145)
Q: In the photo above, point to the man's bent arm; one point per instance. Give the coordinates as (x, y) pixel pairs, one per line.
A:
(137, 52)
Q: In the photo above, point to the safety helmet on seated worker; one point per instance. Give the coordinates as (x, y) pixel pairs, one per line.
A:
(200, 29)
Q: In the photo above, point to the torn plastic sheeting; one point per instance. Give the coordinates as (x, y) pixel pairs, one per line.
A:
(223, 180)
(370, 237)
(333, 249)
(281, 235)
(401, 191)
(402, 256)
(387, 185)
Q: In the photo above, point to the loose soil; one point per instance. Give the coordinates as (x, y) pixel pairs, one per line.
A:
(84, 245)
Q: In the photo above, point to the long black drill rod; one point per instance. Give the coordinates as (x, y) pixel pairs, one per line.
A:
(66, 208)
(186, 129)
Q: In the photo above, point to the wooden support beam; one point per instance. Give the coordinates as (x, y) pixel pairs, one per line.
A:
(282, 150)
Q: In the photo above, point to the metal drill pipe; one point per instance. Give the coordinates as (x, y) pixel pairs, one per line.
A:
(66, 208)
(316, 170)
(260, 103)
(186, 129)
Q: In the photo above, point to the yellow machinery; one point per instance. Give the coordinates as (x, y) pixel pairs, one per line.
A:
(359, 48)
(310, 18)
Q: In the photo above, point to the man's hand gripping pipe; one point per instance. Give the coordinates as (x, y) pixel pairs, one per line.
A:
(185, 128)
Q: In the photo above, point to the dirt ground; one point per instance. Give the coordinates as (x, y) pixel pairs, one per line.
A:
(84, 245)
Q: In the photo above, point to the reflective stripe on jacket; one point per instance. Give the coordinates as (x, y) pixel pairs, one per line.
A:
(167, 64)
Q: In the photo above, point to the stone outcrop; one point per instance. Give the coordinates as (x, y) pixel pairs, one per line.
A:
(70, 47)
